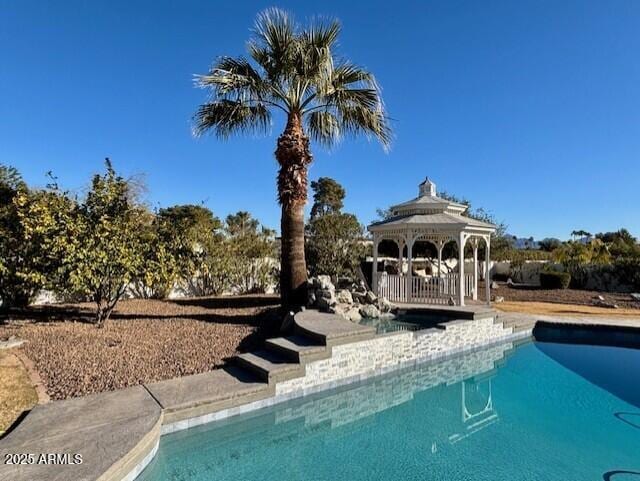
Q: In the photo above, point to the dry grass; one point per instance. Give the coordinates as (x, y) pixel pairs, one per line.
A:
(17, 394)
(569, 310)
(563, 296)
(145, 341)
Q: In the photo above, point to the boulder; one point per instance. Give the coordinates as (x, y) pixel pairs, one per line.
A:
(324, 282)
(353, 315)
(325, 294)
(370, 297)
(13, 341)
(385, 305)
(324, 304)
(361, 287)
(359, 297)
(599, 301)
(339, 308)
(344, 296)
(311, 298)
(369, 311)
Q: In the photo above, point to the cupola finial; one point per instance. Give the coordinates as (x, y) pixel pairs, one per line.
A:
(427, 188)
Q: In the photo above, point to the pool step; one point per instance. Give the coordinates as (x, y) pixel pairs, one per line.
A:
(517, 324)
(270, 366)
(330, 329)
(298, 348)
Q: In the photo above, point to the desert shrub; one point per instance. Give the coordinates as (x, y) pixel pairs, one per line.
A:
(555, 280)
(19, 281)
(92, 248)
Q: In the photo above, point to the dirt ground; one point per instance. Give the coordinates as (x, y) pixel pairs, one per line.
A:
(17, 393)
(563, 296)
(146, 340)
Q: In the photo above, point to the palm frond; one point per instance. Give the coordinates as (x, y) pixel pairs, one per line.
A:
(324, 128)
(225, 117)
(347, 74)
(234, 77)
(360, 120)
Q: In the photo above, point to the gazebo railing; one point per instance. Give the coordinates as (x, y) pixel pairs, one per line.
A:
(393, 288)
(427, 290)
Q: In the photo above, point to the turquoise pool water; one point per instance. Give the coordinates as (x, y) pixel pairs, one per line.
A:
(539, 412)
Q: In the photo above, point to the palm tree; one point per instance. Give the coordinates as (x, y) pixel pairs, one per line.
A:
(293, 71)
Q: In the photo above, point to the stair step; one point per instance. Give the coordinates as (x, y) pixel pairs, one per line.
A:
(523, 327)
(298, 349)
(270, 366)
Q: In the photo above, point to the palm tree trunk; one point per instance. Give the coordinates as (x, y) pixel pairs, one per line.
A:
(294, 157)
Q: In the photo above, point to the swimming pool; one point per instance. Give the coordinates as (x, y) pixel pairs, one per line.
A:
(538, 411)
(405, 322)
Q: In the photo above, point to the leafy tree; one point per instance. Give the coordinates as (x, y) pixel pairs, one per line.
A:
(296, 71)
(549, 244)
(166, 254)
(94, 248)
(328, 197)
(17, 283)
(252, 247)
(206, 265)
(334, 246)
(574, 255)
(622, 235)
(580, 233)
(241, 223)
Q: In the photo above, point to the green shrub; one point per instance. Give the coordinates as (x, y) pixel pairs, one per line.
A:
(555, 280)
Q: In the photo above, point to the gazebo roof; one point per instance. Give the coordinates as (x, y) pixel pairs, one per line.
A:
(428, 211)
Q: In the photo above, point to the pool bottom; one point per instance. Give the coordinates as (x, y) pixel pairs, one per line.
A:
(494, 414)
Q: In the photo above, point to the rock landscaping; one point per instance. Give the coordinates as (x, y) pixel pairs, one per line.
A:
(352, 301)
(145, 341)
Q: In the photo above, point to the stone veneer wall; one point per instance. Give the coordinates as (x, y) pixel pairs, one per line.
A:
(384, 353)
(345, 407)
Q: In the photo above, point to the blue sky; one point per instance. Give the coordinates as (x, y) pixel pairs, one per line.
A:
(530, 109)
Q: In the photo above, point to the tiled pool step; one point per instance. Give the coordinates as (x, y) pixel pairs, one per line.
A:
(298, 348)
(516, 323)
(330, 329)
(191, 396)
(270, 366)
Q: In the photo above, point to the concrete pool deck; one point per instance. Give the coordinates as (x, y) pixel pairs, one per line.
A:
(117, 433)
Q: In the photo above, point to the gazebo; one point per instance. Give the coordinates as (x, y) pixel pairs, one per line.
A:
(429, 218)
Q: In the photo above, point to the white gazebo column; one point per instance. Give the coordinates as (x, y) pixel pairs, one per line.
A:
(400, 243)
(409, 265)
(374, 268)
(474, 243)
(487, 275)
(440, 246)
(461, 242)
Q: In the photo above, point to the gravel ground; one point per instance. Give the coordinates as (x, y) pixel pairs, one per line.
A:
(146, 340)
(562, 296)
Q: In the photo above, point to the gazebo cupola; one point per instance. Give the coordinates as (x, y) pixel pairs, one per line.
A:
(429, 218)
(427, 188)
